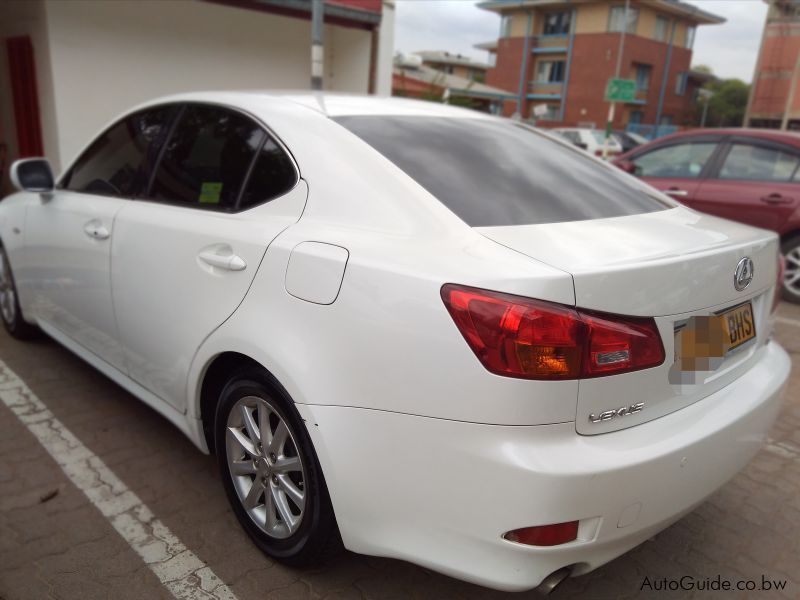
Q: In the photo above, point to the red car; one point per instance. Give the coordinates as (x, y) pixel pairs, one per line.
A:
(747, 175)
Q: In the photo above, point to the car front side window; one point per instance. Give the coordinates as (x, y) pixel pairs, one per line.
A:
(684, 161)
(207, 158)
(119, 162)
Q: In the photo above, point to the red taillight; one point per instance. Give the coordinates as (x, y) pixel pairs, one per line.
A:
(776, 299)
(532, 339)
(545, 535)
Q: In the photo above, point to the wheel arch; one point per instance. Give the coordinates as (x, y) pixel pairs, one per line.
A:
(216, 374)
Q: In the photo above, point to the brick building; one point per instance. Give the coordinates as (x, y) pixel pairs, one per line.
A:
(776, 64)
(562, 54)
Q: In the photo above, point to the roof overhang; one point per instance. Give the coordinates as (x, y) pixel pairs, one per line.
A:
(682, 9)
(335, 14)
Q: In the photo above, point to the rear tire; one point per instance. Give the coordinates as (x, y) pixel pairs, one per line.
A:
(271, 473)
(790, 249)
(10, 311)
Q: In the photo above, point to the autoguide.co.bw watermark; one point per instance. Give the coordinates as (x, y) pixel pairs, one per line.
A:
(711, 584)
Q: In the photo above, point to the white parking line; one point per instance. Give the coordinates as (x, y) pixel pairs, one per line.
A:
(183, 573)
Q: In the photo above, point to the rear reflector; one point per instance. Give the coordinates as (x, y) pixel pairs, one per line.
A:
(545, 535)
(533, 339)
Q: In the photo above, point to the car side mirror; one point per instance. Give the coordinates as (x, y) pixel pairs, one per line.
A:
(627, 166)
(33, 175)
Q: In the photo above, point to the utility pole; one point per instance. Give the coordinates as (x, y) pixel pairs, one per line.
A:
(612, 107)
(317, 49)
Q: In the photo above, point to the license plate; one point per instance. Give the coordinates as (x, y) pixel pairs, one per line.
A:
(702, 343)
(739, 326)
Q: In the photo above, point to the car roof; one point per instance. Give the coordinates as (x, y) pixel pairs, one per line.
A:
(789, 137)
(330, 104)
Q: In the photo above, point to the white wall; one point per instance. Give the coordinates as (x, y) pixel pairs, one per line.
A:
(21, 17)
(109, 56)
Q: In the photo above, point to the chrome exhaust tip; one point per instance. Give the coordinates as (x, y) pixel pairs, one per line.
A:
(553, 580)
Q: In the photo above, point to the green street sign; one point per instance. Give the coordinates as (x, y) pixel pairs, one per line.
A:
(621, 90)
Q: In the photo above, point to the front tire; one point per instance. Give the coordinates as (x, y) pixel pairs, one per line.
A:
(790, 290)
(271, 473)
(10, 311)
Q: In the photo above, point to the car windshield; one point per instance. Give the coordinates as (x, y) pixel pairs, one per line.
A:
(493, 172)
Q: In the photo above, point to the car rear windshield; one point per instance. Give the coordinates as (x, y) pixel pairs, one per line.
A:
(492, 172)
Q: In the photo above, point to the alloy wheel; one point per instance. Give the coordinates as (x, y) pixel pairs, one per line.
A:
(265, 466)
(8, 297)
(791, 278)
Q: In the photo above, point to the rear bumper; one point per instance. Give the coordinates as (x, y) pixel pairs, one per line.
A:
(441, 493)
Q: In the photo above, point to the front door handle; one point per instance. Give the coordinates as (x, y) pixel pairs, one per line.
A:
(676, 192)
(96, 230)
(229, 262)
(776, 199)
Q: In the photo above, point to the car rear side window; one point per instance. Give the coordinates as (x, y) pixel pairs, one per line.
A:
(492, 172)
(759, 163)
(273, 175)
(206, 159)
(119, 162)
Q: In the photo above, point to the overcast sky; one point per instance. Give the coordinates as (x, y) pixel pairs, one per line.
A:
(729, 49)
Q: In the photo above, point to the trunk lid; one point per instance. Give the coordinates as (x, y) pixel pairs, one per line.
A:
(672, 265)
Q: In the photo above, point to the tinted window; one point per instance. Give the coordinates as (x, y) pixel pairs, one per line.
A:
(759, 163)
(685, 161)
(119, 162)
(493, 172)
(207, 157)
(273, 175)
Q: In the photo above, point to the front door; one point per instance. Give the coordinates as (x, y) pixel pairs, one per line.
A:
(66, 268)
(675, 168)
(69, 236)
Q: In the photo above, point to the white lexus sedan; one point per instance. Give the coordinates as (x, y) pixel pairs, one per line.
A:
(415, 330)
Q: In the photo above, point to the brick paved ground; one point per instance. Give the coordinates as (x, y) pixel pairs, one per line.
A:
(62, 547)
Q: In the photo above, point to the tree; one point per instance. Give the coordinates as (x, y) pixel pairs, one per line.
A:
(727, 106)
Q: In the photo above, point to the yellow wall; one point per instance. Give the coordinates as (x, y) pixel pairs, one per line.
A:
(592, 18)
(519, 24)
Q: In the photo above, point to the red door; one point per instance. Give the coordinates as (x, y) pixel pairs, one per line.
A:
(756, 183)
(25, 96)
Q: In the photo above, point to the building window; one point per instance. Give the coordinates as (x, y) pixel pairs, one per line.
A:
(636, 117)
(505, 26)
(662, 25)
(616, 19)
(643, 73)
(556, 23)
(690, 31)
(550, 71)
(680, 84)
(492, 59)
(666, 120)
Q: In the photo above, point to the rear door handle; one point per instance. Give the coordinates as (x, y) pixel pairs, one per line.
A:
(676, 192)
(776, 199)
(96, 230)
(229, 262)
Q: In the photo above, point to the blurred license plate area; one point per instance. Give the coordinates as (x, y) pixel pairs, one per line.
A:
(703, 342)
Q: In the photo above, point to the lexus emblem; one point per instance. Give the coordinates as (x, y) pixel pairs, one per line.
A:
(743, 274)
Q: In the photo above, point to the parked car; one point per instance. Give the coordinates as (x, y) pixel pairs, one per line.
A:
(427, 332)
(629, 139)
(591, 140)
(747, 175)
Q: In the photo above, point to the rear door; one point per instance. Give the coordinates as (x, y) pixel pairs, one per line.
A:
(185, 255)
(69, 236)
(754, 182)
(677, 167)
